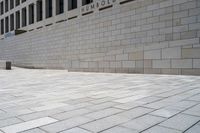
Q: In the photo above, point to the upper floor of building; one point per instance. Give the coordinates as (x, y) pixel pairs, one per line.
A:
(27, 15)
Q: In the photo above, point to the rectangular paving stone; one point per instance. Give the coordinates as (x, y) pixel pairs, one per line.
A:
(48, 107)
(9, 121)
(135, 112)
(180, 122)
(70, 114)
(105, 123)
(129, 105)
(103, 113)
(165, 112)
(119, 129)
(76, 130)
(143, 122)
(160, 129)
(102, 106)
(66, 124)
(36, 130)
(28, 125)
(36, 115)
(194, 129)
(193, 110)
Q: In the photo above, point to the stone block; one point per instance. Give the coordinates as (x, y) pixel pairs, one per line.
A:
(171, 71)
(181, 28)
(147, 63)
(152, 70)
(122, 57)
(161, 63)
(174, 52)
(188, 20)
(194, 11)
(181, 63)
(184, 42)
(136, 56)
(191, 53)
(139, 64)
(153, 54)
(128, 64)
(194, 26)
(196, 63)
(189, 34)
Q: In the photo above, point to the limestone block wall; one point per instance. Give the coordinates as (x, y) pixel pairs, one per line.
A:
(141, 36)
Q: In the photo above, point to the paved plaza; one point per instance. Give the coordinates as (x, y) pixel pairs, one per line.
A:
(51, 101)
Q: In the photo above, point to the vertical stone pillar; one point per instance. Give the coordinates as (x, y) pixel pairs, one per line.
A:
(14, 20)
(35, 11)
(20, 14)
(27, 16)
(53, 8)
(44, 9)
(65, 6)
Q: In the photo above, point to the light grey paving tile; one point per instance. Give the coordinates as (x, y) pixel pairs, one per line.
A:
(105, 123)
(9, 121)
(194, 129)
(159, 129)
(66, 124)
(37, 115)
(165, 112)
(28, 125)
(195, 98)
(102, 106)
(148, 99)
(135, 112)
(143, 122)
(36, 130)
(183, 104)
(119, 129)
(193, 111)
(128, 105)
(76, 130)
(48, 107)
(180, 122)
(102, 100)
(129, 99)
(103, 113)
(70, 114)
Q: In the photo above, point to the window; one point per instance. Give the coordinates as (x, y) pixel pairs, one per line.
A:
(31, 14)
(85, 2)
(2, 26)
(48, 8)
(72, 4)
(17, 20)
(11, 4)
(59, 7)
(2, 7)
(17, 2)
(7, 24)
(11, 22)
(39, 10)
(6, 5)
(23, 1)
(24, 17)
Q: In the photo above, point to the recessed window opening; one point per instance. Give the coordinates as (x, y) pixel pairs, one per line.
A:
(72, 4)
(39, 10)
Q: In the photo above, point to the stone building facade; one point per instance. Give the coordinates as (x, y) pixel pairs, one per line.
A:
(128, 36)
